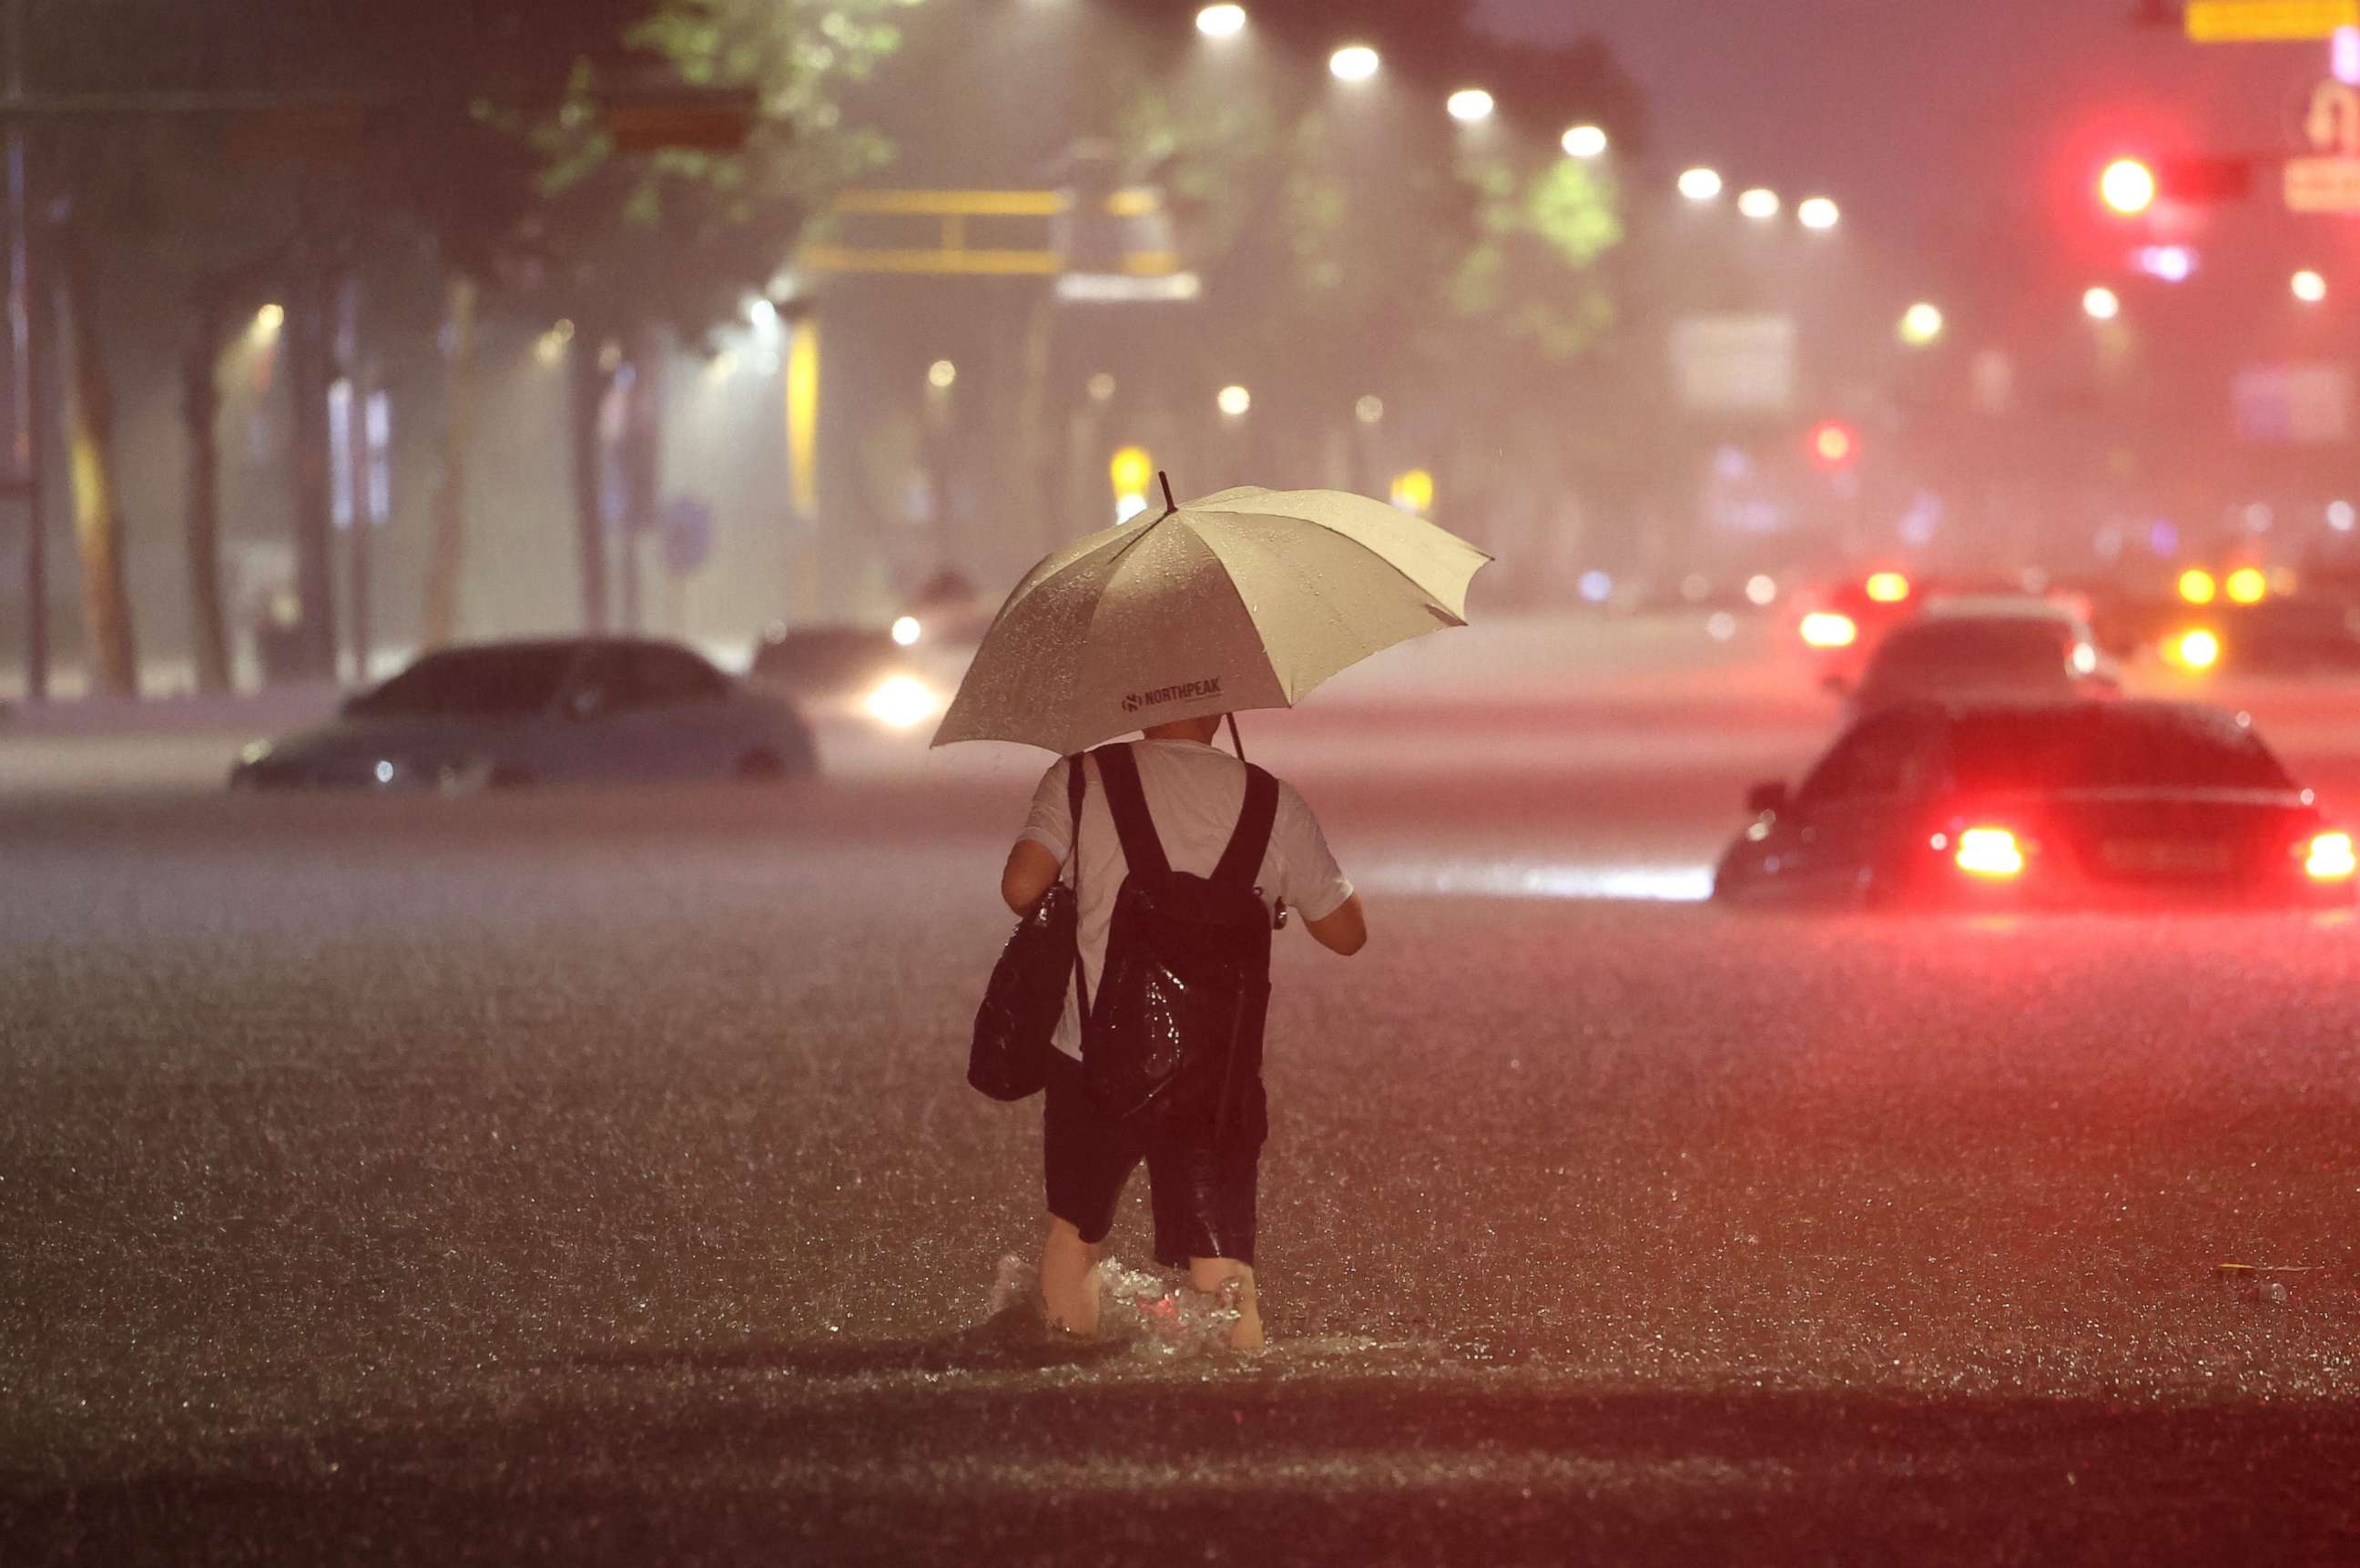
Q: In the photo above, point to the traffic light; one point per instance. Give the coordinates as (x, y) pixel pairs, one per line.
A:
(2129, 187)
(1832, 444)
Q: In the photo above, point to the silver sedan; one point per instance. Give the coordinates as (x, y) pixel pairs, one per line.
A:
(575, 709)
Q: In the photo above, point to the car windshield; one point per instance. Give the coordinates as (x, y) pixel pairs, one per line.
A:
(2011, 648)
(2111, 747)
(478, 682)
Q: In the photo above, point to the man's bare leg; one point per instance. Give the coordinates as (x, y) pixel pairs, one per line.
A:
(1209, 1274)
(1069, 1292)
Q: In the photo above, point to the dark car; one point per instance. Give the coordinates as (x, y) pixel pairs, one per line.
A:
(2052, 805)
(496, 714)
(838, 672)
(2290, 637)
(2024, 650)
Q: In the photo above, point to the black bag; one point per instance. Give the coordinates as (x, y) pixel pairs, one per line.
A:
(1009, 1058)
(1175, 1030)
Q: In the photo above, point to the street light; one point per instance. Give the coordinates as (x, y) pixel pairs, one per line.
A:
(941, 374)
(1369, 410)
(1584, 141)
(1470, 105)
(1818, 213)
(1234, 401)
(2127, 187)
(1759, 203)
(269, 319)
(1921, 324)
(1699, 184)
(1353, 62)
(1221, 21)
(1131, 471)
(2102, 304)
(2309, 287)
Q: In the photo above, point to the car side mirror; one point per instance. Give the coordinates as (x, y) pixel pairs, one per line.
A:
(1764, 800)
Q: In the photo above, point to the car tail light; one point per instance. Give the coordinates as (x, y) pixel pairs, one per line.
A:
(2197, 649)
(2331, 857)
(1827, 629)
(1989, 852)
(1887, 588)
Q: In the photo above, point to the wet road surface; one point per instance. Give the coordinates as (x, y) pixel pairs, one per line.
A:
(590, 1177)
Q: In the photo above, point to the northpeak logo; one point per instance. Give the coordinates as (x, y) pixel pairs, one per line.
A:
(1186, 691)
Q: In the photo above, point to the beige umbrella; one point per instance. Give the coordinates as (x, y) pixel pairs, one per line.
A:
(1243, 601)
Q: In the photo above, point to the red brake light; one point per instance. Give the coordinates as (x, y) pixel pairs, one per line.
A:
(2331, 857)
(1989, 852)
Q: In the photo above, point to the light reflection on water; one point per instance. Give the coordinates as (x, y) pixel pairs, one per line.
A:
(1657, 883)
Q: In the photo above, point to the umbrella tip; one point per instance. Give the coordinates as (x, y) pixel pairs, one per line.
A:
(1170, 506)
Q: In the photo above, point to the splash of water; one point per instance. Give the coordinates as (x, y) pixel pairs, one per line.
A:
(1160, 1318)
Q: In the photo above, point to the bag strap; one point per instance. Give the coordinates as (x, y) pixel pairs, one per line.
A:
(1074, 784)
(1119, 775)
(1251, 841)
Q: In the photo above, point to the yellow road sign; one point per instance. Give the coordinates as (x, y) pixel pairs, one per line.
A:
(2266, 21)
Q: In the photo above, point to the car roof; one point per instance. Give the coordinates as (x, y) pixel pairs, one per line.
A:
(1993, 607)
(1953, 710)
(558, 644)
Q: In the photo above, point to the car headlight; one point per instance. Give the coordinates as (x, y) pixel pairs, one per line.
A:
(255, 751)
(902, 702)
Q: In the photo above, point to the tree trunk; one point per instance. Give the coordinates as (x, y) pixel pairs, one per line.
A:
(587, 379)
(439, 622)
(201, 414)
(641, 452)
(90, 442)
(308, 360)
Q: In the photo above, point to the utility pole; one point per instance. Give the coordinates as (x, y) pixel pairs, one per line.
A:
(25, 465)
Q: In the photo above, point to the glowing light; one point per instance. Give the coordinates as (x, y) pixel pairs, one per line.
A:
(1369, 410)
(1132, 470)
(1761, 589)
(1819, 212)
(1721, 626)
(1760, 203)
(2127, 186)
(2172, 263)
(1127, 507)
(1700, 184)
(1354, 62)
(1101, 388)
(1595, 586)
(2344, 56)
(2331, 857)
(1989, 852)
(2102, 304)
(1584, 141)
(901, 702)
(2308, 286)
(1921, 324)
(1887, 588)
(1221, 21)
(906, 631)
(384, 771)
(548, 348)
(2084, 660)
(269, 319)
(2341, 516)
(1235, 401)
(562, 330)
(1414, 491)
(1828, 629)
(763, 314)
(2198, 649)
(1832, 443)
(722, 364)
(2246, 584)
(1470, 105)
(942, 375)
(2197, 587)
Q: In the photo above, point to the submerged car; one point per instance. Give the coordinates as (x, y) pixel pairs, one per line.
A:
(2036, 806)
(1964, 649)
(852, 673)
(575, 709)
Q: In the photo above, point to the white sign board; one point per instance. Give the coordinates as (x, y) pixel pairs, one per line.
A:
(1734, 363)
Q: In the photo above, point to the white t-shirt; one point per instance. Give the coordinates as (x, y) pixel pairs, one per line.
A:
(1193, 793)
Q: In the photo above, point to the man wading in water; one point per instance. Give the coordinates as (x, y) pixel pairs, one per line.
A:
(1201, 1168)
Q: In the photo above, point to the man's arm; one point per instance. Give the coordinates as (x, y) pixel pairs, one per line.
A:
(1029, 871)
(1344, 930)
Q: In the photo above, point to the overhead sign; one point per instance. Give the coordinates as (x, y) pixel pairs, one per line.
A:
(2268, 21)
(2328, 180)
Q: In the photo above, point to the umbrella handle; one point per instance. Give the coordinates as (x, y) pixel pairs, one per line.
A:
(1170, 506)
(1235, 738)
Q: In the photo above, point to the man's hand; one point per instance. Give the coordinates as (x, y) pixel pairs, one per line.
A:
(1030, 869)
(1345, 931)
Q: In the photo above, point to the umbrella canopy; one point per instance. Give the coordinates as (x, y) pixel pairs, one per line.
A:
(1245, 599)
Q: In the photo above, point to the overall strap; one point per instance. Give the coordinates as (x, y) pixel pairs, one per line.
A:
(1075, 784)
(1119, 775)
(1251, 841)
